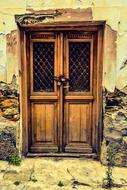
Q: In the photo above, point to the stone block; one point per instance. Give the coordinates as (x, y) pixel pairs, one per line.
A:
(125, 141)
(124, 132)
(115, 126)
(112, 135)
(9, 103)
(7, 142)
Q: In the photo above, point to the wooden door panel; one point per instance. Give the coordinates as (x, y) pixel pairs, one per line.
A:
(74, 123)
(78, 127)
(43, 122)
(44, 126)
(79, 95)
(43, 92)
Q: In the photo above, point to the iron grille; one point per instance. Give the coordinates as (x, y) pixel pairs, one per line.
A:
(79, 66)
(43, 66)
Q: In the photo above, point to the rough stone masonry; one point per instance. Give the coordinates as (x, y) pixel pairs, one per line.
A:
(114, 68)
(115, 125)
(9, 116)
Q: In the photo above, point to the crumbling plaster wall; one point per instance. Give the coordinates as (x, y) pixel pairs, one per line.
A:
(114, 12)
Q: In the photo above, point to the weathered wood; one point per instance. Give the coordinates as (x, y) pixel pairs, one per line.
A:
(63, 120)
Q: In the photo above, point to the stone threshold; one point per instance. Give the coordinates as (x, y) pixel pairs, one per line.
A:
(63, 155)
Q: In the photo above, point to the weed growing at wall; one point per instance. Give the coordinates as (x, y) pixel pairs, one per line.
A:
(14, 160)
(108, 181)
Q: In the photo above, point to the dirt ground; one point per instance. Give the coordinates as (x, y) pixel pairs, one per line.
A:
(58, 174)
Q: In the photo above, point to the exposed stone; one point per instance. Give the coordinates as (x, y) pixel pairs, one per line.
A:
(9, 89)
(9, 103)
(10, 112)
(111, 134)
(124, 132)
(121, 116)
(115, 125)
(7, 142)
(125, 140)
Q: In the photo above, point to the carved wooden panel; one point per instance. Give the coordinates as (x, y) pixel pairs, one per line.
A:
(43, 36)
(79, 122)
(78, 127)
(43, 123)
(79, 35)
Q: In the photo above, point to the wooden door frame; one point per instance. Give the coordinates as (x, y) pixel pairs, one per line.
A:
(90, 26)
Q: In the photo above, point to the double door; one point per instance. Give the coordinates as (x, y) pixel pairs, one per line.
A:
(62, 85)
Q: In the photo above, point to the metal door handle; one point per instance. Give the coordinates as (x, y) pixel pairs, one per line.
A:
(60, 80)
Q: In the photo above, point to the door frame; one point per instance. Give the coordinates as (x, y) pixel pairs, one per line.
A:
(90, 26)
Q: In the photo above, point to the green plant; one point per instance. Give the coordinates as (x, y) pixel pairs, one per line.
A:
(60, 184)
(14, 160)
(33, 179)
(108, 182)
(17, 183)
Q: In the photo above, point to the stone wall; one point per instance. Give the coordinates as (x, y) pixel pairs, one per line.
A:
(115, 125)
(9, 117)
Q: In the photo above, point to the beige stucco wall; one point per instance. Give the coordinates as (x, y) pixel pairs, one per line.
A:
(115, 44)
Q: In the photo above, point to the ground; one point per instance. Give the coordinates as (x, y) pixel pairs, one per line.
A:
(46, 174)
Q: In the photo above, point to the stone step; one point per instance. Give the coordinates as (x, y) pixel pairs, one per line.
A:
(62, 155)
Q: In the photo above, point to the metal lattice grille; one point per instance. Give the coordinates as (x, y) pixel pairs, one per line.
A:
(79, 66)
(43, 66)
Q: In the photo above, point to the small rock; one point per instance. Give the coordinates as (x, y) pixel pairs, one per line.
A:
(125, 140)
(10, 112)
(7, 142)
(111, 134)
(3, 85)
(121, 116)
(124, 132)
(16, 117)
(9, 103)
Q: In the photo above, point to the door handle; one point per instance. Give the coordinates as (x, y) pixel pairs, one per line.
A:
(60, 80)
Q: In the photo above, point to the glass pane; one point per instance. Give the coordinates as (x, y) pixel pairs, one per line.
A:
(79, 66)
(43, 66)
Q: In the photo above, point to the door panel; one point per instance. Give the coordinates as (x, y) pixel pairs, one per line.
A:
(78, 93)
(79, 121)
(43, 92)
(44, 127)
(78, 127)
(43, 119)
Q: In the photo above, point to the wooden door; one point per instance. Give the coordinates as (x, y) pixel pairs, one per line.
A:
(79, 92)
(61, 92)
